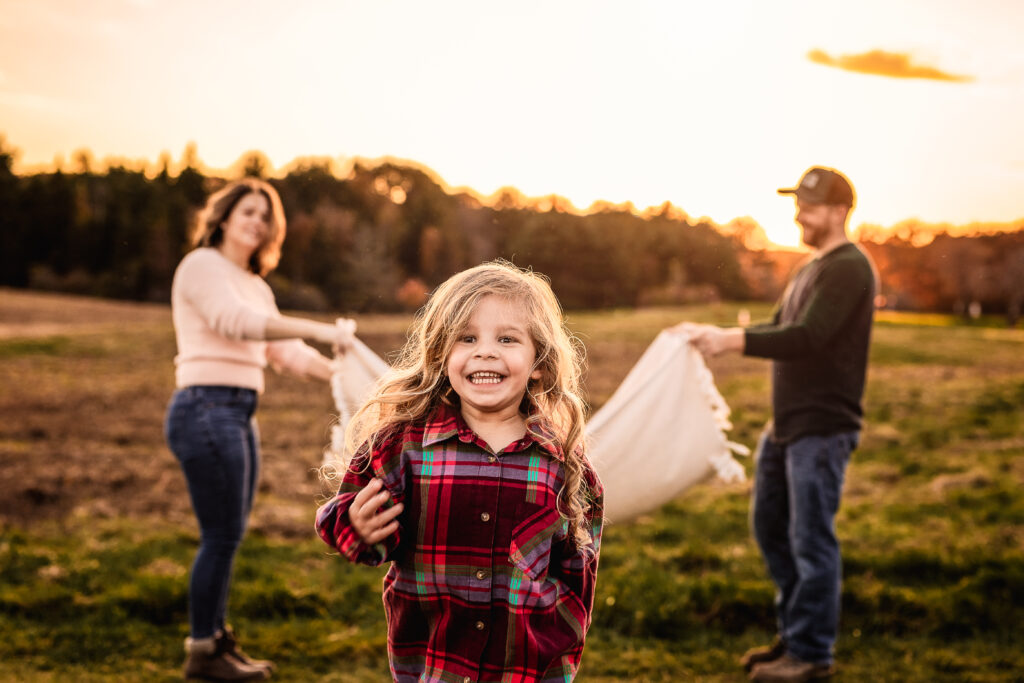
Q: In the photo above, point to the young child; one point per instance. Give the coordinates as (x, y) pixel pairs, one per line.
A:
(470, 478)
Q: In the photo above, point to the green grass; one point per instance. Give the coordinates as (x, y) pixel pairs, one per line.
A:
(96, 537)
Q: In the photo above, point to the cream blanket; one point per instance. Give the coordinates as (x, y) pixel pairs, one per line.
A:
(661, 432)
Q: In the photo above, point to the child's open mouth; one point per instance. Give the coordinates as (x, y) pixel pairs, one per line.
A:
(485, 378)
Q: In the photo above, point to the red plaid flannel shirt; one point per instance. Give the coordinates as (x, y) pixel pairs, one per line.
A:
(485, 583)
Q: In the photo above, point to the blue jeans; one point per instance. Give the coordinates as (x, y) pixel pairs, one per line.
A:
(212, 432)
(796, 497)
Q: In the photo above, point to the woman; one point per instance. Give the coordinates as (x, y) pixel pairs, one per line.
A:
(228, 327)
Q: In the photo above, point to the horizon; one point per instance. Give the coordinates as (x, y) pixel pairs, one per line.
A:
(710, 108)
(911, 229)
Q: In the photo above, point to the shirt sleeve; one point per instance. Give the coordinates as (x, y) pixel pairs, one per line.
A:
(332, 520)
(839, 289)
(576, 568)
(208, 289)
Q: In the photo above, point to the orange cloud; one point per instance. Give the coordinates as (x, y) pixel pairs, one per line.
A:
(882, 63)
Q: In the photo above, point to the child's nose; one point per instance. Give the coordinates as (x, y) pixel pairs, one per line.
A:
(486, 350)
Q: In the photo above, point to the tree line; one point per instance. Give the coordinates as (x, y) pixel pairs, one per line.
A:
(965, 274)
(384, 235)
(378, 239)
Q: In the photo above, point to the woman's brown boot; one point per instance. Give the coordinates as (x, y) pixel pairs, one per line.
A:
(226, 641)
(205, 660)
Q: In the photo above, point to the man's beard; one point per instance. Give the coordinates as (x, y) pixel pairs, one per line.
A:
(813, 234)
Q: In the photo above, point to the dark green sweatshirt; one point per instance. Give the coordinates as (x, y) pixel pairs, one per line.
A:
(818, 340)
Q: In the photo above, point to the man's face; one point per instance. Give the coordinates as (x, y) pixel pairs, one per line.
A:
(817, 222)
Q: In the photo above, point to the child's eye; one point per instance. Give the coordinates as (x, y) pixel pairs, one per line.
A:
(507, 340)
(467, 339)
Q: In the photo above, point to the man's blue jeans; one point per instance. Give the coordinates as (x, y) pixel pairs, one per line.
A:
(796, 496)
(212, 432)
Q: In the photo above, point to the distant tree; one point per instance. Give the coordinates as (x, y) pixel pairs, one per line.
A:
(370, 280)
(13, 269)
(190, 184)
(508, 198)
(84, 161)
(7, 157)
(961, 264)
(311, 181)
(252, 164)
(1013, 282)
(163, 165)
(48, 203)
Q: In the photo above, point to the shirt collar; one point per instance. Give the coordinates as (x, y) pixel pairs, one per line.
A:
(445, 422)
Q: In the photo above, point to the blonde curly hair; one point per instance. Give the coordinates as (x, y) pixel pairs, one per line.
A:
(418, 383)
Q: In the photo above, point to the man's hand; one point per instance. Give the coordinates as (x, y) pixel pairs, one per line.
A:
(372, 524)
(711, 340)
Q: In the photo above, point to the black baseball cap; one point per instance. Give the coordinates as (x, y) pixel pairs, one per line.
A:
(821, 185)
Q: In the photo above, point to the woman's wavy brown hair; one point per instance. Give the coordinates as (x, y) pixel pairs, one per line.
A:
(210, 233)
(418, 382)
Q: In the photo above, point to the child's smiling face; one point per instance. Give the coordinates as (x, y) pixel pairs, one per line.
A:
(492, 359)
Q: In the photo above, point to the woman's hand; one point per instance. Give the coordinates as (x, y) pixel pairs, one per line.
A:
(370, 522)
(343, 335)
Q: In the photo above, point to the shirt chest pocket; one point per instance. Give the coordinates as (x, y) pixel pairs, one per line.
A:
(530, 547)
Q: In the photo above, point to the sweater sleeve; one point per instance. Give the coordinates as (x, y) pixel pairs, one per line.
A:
(839, 289)
(292, 355)
(205, 284)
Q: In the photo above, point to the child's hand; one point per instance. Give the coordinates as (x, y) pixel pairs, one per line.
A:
(372, 524)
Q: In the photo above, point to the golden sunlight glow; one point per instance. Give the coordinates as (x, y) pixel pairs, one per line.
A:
(710, 106)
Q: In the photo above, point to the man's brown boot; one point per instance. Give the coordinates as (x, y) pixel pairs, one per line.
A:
(227, 642)
(205, 661)
(765, 653)
(787, 669)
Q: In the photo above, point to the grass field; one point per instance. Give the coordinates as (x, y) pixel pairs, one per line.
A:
(96, 534)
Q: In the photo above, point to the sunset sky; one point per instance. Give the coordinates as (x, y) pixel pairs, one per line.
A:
(709, 105)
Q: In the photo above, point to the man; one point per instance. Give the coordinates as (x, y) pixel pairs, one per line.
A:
(818, 342)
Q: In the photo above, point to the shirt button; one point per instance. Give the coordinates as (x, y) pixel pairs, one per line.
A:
(492, 459)
(479, 626)
(481, 574)
(485, 516)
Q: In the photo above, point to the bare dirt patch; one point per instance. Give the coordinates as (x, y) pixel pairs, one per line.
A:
(82, 434)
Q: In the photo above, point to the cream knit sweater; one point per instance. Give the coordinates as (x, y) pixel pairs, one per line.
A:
(220, 314)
